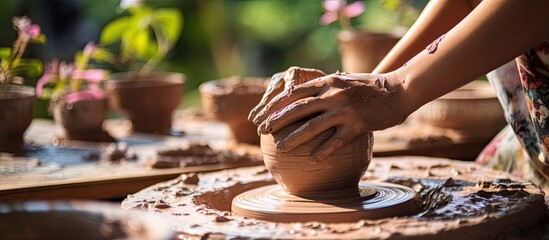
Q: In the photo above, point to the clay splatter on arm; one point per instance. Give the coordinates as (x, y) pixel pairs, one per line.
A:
(432, 48)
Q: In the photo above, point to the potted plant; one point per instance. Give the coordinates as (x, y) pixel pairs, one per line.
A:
(16, 100)
(146, 96)
(360, 50)
(77, 101)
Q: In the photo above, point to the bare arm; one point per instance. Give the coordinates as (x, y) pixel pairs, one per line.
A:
(494, 33)
(438, 17)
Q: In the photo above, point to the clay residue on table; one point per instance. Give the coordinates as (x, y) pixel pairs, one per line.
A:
(112, 153)
(459, 200)
(198, 154)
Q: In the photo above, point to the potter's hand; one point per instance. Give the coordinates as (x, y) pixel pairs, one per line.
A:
(352, 103)
(282, 81)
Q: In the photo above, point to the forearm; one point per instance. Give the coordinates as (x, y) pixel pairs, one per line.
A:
(493, 34)
(437, 18)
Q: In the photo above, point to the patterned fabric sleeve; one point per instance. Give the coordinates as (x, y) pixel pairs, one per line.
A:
(516, 145)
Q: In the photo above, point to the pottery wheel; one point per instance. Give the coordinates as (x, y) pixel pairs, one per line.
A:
(376, 200)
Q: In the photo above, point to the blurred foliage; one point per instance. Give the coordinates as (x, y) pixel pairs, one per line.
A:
(145, 35)
(220, 38)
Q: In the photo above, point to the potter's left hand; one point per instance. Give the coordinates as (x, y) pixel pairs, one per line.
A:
(282, 81)
(352, 103)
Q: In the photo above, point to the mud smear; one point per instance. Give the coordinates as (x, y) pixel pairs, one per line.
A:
(455, 207)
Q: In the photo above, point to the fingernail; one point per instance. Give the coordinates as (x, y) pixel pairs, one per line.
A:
(257, 118)
(315, 159)
(262, 127)
(280, 146)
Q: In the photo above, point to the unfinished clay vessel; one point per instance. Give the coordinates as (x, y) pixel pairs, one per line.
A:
(82, 120)
(299, 176)
(16, 103)
(230, 100)
(361, 51)
(148, 102)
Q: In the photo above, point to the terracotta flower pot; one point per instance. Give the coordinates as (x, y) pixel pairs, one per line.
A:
(361, 51)
(473, 106)
(294, 171)
(230, 100)
(16, 103)
(147, 102)
(83, 120)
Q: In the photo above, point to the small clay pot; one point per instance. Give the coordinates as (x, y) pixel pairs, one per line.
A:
(294, 171)
(148, 102)
(82, 120)
(230, 100)
(361, 51)
(473, 106)
(16, 103)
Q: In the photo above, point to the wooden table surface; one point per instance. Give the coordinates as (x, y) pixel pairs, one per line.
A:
(63, 174)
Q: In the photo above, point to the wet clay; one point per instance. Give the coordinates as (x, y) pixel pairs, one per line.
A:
(372, 201)
(299, 175)
(230, 100)
(199, 154)
(458, 200)
(327, 190)
(113, 153)
(432, 48)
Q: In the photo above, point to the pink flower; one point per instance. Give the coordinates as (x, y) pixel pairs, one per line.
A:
(91, 75)
(338, 8)
(89, 49)
(84, 95)
(26, 29)
(49, 75)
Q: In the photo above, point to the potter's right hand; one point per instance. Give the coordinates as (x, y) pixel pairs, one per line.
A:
(282, 81)
(353, 104)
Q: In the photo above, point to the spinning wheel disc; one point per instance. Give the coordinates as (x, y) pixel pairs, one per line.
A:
(376, 200)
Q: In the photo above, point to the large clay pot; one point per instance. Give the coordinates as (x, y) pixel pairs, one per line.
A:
(473, 106)
(16, 102)
(148, 102)
(361, 51)
(230, 100)
(293, 170)
(83, 120)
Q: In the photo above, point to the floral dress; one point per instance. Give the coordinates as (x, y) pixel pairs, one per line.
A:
(522, 87)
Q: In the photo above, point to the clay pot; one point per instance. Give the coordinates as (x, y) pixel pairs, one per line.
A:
(473, 106)
(78, 220)
(16, 103)
(295, 172)
(148, 102)
(361, 51)
(82, 120)
(230, 100)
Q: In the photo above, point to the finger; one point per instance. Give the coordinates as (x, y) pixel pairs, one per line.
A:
(295, 111)
(307, 131)
(273, 89)
(285, 98)
(339, 139)
(297, 75)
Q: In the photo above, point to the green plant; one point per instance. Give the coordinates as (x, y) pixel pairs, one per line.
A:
(12, 63)
(145, 35)
(406, 13)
